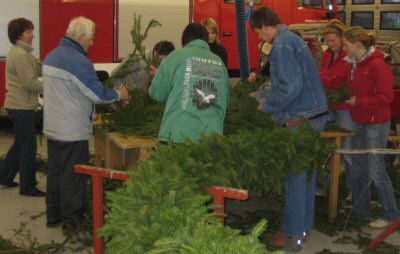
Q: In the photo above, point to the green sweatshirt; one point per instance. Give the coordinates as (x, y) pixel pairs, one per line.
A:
(22, 72)
(195, 84)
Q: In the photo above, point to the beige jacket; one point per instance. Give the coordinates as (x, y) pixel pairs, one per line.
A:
(22, 72)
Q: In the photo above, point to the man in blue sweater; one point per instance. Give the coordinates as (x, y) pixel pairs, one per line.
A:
(71, 88)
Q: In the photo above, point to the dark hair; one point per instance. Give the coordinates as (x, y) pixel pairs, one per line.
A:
(17, 27)
(264, 17)
(193, 32)
(164, 47)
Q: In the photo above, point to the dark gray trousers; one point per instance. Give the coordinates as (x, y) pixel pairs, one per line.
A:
(22, 154)
(65, 189)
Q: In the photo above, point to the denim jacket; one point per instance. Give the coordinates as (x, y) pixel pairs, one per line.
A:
(296, 89)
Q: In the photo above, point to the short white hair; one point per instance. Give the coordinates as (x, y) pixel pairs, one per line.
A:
(80, 26)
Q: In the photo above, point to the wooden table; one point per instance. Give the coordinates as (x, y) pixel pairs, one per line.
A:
(395, 140)
(119, 150)
(336, 164)
(335, 169)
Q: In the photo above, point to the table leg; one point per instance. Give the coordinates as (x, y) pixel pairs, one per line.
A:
(107, 152)
(334, 184)
(143, 154)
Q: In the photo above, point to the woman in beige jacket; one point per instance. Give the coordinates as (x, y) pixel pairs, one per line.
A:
(23, 87)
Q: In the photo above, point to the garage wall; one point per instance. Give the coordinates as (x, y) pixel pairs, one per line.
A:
(9, 10)
(375, 9)
(172, 14)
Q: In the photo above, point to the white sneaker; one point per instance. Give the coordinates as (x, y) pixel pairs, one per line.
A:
(379, 223)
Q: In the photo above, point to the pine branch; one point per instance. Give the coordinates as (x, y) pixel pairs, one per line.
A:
(338, 95)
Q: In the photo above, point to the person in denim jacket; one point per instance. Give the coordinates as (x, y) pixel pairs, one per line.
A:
(296, 92)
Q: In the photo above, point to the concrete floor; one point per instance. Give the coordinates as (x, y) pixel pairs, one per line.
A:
(16, 209)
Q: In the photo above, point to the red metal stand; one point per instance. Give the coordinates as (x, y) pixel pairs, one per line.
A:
(97, 175)
(382, 236)
(219, 194)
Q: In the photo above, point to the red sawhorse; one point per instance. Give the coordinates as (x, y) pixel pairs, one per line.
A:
(382, 236)
(219, 195)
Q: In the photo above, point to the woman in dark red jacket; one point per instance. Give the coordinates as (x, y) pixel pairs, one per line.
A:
(372, 81)
(334, 72)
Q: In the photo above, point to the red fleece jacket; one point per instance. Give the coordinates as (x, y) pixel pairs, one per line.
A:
(373, 85)
(334, 74)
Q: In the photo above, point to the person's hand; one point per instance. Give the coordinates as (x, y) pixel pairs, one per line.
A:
(153, 70)
(352, 101)
(253, 94)
(252, 77)
(124, 94)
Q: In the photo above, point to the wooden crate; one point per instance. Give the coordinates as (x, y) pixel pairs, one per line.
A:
(99, 148)
(118, 150)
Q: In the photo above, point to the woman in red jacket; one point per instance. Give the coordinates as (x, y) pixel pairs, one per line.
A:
(372, 81)
(334, 71)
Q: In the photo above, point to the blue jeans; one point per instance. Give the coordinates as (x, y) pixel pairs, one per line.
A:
(298, 215)
(343, 119)
(371, 166)
(22, 154)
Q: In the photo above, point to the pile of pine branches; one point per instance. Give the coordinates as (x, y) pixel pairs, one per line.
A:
(161, 208)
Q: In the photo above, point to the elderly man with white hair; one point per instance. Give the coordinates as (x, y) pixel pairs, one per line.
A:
(71, 88)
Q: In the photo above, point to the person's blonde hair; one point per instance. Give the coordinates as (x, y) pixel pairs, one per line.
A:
(359, 34)
(80, 26)
(334, 26)
(212, 24)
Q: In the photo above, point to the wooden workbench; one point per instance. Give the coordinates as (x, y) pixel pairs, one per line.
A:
(336, 164)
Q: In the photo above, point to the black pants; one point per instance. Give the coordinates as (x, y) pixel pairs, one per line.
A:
(65, 189)
(22, 154)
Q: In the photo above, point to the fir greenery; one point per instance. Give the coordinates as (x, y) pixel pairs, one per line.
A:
(139, 50)
(338, 95)
(240, 113)
(162, 206)
(141, 117)
(225, 240)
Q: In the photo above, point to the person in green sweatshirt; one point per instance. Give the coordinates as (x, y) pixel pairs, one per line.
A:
(194, 83)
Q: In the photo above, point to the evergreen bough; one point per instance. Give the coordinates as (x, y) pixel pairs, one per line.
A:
(339, 94)
(161, 208)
